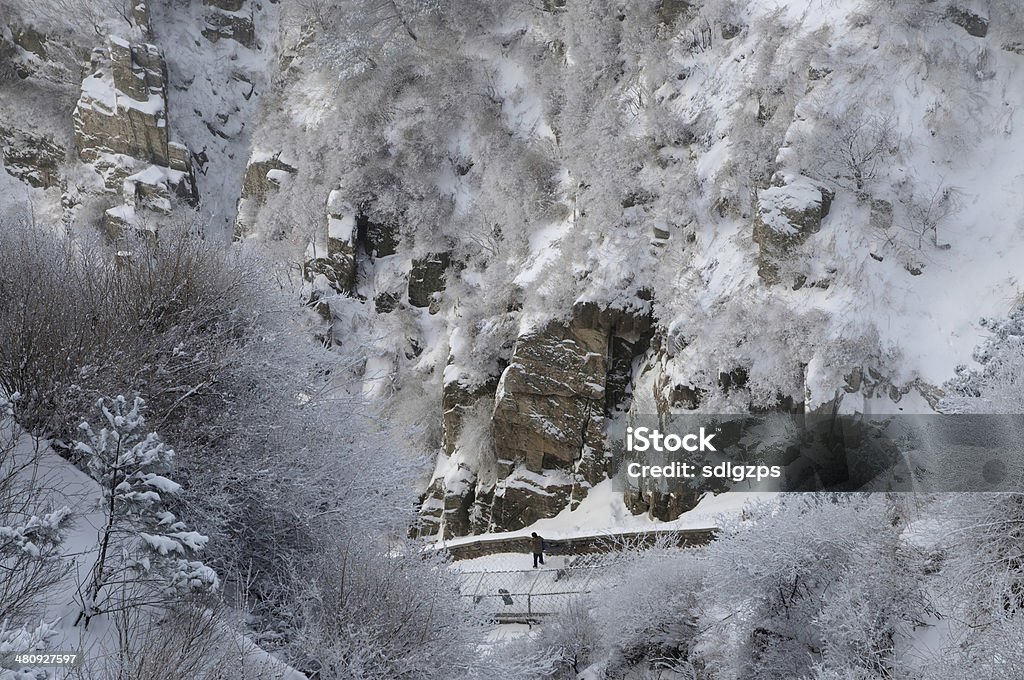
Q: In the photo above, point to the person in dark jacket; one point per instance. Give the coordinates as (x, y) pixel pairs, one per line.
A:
(537, 545)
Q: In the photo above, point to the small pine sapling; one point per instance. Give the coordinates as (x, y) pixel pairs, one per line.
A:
(142, 546)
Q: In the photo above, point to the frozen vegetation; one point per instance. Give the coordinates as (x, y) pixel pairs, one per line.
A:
(298, 296)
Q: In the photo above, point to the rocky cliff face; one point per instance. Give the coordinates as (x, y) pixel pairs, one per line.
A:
(520, 237)
(122, 130)
(137, 146)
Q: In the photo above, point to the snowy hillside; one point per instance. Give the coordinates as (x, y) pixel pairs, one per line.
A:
(399, 276)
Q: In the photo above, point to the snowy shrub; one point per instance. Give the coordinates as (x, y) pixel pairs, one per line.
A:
(371, 611)
(816, 579)
(168, 320)
(195, 639)
(651, 618)
(912, 14)
(572, 639)
(354, 37)
(769, 92)
(92, 19)
(141, 541)
(852, 146)
(997, 386)
(1007, 21)
(990, 537)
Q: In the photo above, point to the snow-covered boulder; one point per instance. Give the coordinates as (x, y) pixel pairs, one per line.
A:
(525, 497)
(237, 26)
(975, 24)
(788, 213)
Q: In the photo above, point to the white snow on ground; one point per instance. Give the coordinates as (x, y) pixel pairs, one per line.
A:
(68, 486)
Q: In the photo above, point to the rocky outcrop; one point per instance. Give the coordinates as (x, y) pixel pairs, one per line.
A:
(974, 24)
(121, 130)
(431, 510)
(524, 497)
(30, 40)
(122, 108)
(669, 11)
(153, 189)
(547, 423)
(338, 265)
(229, 19)
(788, 213)
(230, 25)
(457, 399)
(662, 504)
(265, 174)
(359, 250)
(426, 279)
(378, 239)
(550, 402)
(225, 5)
(34, 159)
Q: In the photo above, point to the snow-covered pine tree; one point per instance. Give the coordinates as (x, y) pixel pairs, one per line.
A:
(142, 547)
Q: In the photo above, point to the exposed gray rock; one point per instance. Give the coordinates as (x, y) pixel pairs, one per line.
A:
(121, 129)
(548, 418)
(113, 121)
(880, 218)
(341, 248)
(10, 65)
(456, 399)
(377, 239)
(523, 498)
(30, 40)
(457, 504)
(233, 26)
(671, 10)
(141, 16)
(226, 5)
(122, 108)
(31, 158)
(550, 402)
(117, 221)
(339, 266)
(974, 24)
(661, 504)
(263, 175)
(427, 278)
(431, 510)
(385, 303)
(730, 31)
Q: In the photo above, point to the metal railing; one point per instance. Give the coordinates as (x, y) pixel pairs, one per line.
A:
(527, 595)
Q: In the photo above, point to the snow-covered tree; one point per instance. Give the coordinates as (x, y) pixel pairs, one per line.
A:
(141, 540)
(31, 530)
(815, 579)
(996, 384)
